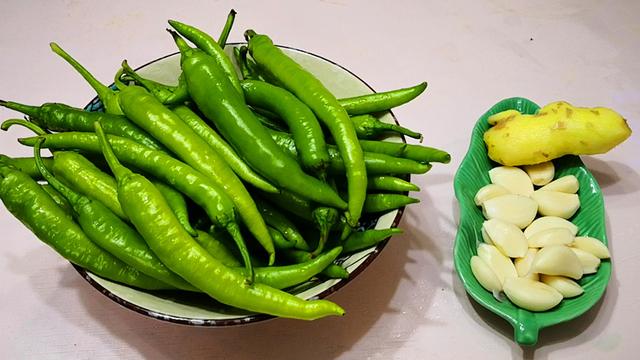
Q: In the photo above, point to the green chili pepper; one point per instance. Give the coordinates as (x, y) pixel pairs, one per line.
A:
(166, 94)
(57, 197)
(178, 205)
(368, 126)
(160, 165)
(386, 202)
(382, 101)
(84, 177)
(281, 277)
(364, 239)
(27, 165)
(390, 183)
(332, 271)
(224, 35)
(279, 241)
(376, 164)
(240, 55)
(420, 153)
(216, 98)
(217, 249)
(108, 97)
(60, 117)
(109, 232)
(147, 112)
(223, 149)
(181, 253)
(29, 203)
(207, 44)
(302, 123)
(286, 227)
(312, 92)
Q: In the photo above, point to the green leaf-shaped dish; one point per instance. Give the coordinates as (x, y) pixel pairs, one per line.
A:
(471, 176)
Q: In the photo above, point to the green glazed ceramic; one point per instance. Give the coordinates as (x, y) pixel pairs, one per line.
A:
(471, 176)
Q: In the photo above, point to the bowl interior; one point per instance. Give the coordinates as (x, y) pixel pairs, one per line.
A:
(199, 309)
(471, 176)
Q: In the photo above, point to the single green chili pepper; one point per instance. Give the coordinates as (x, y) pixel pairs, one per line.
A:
(29, 203)
(301, 121)
(214, 140)
(160, 165)
(386, 202)
(61, 117)
(108, 97)
(58, 198)
(215, 97)
(178, 205)
(27, 165)
(286, 227)
(109, 232)
(368, 126)
(376, 164)
(240, 54)
(420, 153)
(217, 249)
(224, 35)
(207, 44)
(312, 92)
(279, 241)
(364, 239)
(83, 176)
(390, 183)
(166, 94)
(180, 252)
(332, 271)
(147, 112)
(382, 101)
(281, 277)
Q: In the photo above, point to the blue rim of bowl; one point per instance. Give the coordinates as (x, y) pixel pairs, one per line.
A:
(252, 318)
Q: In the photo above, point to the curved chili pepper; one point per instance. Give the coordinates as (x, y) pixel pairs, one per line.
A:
(301, 121)
(382, 101)
(180, 252)
(332, 271)
(390, 183)
(312, 92)
(61, 117)
(386, 202)
(29, 203)
(279, 241)
(207, 44)
(215, 97)
(223, 149)
(368, 126)
(420, 153)
(364, 239)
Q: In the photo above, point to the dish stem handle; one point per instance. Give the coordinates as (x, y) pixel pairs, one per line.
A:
(526, 328)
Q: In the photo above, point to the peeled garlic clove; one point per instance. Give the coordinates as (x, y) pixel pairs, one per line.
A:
(592, 246)
(553, 236)
(549, 222)
(523, 265)
(565, 286)
(555, 203)
(489, 191)
(500, 264)
(567, 184)
(557, 260)
(485, 276)
(540, 174)
(513, 179)
(516, 209)
(507, 237)
(531, 295)
(588, 261)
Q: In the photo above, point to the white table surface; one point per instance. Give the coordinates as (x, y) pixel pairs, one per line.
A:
(410, 303)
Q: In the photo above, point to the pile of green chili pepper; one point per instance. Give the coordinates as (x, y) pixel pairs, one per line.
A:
(238, 185)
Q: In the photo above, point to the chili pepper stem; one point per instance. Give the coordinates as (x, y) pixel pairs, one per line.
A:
(114, 164)
(21, 122)
(106, 95)
(224, 35)
(32, 111)
(48, 176)
(180, 42)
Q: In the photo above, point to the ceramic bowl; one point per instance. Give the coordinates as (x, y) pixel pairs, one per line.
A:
(590, 219)
(201, 310)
